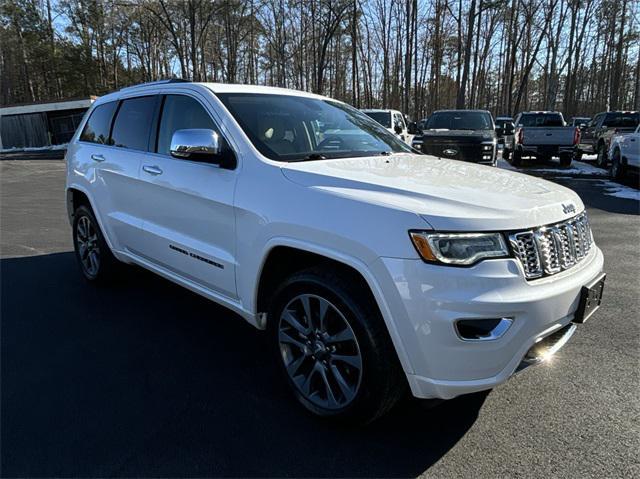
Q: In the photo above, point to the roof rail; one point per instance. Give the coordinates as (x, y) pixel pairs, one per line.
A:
(158, 82)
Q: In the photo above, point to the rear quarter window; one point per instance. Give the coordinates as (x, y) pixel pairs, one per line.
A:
(96, 130)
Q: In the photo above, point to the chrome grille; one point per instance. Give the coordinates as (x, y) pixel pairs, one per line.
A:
(551, 249)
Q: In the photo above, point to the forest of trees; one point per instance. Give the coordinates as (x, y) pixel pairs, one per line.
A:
(576, 56)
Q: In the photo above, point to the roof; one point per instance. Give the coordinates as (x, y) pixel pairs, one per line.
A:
(164, 85)
(48, 106)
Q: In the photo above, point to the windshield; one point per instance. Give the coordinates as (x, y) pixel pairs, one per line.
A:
(460, 120)
(382, 117)
(541, 119)
(292, 128)
(622, 120)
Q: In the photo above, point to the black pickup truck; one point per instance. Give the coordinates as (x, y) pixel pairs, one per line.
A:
(467, 135)
(596, 135)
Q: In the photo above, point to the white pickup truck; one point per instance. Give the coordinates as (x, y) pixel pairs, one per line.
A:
(374, 270)
(543, 135)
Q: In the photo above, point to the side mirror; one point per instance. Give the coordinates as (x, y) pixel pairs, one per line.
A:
(509, 128)
(413, 128)
(499, 131)
(397, 128)
(199, 144)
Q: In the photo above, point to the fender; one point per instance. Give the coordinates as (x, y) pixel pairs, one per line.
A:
(348, 260)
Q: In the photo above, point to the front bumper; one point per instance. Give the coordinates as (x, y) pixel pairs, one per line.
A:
(426, 301)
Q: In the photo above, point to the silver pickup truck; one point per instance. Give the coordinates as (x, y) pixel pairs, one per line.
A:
(543, 135)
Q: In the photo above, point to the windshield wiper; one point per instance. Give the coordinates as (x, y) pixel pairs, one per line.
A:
(313, 157)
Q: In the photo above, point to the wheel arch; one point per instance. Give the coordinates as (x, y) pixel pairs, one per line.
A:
(78, 196)
(298, 256)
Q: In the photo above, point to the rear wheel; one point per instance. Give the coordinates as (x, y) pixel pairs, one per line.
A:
(617, 166)
(333, 347)
(602, 159)
(517, 158)
(565, 160)
(506, 154)
(577, 156)
(94, 257)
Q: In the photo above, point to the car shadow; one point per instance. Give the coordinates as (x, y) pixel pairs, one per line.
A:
(144, 378)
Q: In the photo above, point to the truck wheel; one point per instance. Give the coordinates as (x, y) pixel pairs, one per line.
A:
(577, 156)
(565, 159)
(617, 166)
(94, 257)
(333, 347)
(517, 158)
(506, 155)
(602, 159)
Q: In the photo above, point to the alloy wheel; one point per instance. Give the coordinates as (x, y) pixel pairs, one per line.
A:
(320, 351)
(88, 249)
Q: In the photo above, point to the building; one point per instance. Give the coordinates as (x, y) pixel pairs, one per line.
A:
(41, 124)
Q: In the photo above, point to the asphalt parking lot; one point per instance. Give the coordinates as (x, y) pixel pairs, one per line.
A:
(144, 378)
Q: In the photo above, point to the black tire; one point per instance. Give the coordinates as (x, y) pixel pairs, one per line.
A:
(506, 155)
(93, 254)
(577, 156)
(617, 166)
(379, 382)
(602, 159)
(565, 159)
(516, 159)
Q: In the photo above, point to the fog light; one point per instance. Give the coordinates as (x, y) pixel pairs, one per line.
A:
(482, 329)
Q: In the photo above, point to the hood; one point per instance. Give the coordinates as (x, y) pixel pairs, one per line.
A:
(450, 195)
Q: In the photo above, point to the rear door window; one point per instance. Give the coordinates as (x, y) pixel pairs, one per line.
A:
(133, 123)
(96, 130)
(181, 112)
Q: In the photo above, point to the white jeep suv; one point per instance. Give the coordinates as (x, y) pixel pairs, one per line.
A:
(373, 269)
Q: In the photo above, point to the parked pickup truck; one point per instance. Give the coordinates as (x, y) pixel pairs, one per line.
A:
(625, 154)
(543, 135)
(373, 270)
(467, 135)
(596, 136)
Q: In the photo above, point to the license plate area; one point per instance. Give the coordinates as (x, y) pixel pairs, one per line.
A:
(590, 299)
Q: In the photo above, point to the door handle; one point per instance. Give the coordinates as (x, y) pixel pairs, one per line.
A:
(98, 158)
(152, 169)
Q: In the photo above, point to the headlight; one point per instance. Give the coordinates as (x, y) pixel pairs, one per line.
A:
(487, 147)
(458, 248)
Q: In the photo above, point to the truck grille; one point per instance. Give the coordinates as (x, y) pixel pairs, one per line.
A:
(551, 249)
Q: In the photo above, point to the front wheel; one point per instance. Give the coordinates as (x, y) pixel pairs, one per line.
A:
(602, 159)
(333, 346)
(506, 155)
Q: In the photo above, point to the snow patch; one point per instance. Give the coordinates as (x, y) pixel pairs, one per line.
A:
(620, 191)
(577, 168)
(36, 148)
